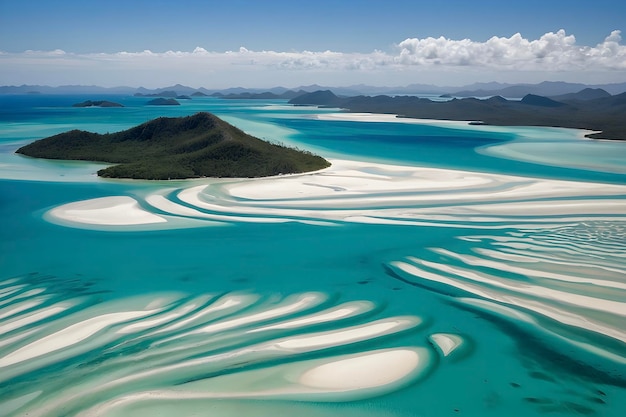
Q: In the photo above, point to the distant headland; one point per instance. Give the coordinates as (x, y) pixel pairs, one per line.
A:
(588, 109)
(195, 146)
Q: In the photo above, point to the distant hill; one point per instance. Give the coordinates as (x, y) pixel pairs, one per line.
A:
(546, 88)
(584, 94)
(97, 103)
(268, 95)
(201, 145)
(604, 114)
(320, 98)
(534, 100)
(166, 93)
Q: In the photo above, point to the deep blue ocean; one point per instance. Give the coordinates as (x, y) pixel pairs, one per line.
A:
(436, 269)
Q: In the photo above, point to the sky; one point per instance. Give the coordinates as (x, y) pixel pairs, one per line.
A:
(267, 43)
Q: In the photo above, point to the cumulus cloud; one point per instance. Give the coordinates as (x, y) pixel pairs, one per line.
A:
(552, 52)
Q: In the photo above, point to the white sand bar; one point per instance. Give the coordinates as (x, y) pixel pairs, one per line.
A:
(569, 317)
(28, 319)
(69, 336)
(304, 302)
(368, 370)
(340, 378)
(357, 191)
(147, 324)
(336, 313)
(110, 211)
(392, 118)
(348, 335)
(227, 304)
(447, 343)
(18, 308)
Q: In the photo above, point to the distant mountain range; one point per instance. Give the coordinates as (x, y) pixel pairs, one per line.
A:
(546, 88)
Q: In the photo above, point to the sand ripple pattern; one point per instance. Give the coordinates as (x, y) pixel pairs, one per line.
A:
(358, 192)
(87, 357)
(564, 284)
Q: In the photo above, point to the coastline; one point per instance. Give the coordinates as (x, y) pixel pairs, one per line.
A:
(457, 124)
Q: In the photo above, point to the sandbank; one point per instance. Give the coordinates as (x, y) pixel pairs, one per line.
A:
(394, 118)
(303, 302)
(368, 370)
(447, 343)
(18, 308)
(147, 324)
(10, 340)
(337, 379)
(19, 296)
(10, 290)
(109, 211)
(508, 297)
(224, 304)
(578, 300)
(35, 317)
(363, 192)
(476, 261)
(340, 312)
(518, 315)
(69, 336)
(347, 335)
(8, 282)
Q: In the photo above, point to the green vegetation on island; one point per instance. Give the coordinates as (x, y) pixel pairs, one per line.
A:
(195, 146)
(97, 103)
(163, 102)
(592, 110)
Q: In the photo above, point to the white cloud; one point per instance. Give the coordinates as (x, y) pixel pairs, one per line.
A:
(414, 60)
(551, 52)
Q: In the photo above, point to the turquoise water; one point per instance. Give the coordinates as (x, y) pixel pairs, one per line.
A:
(488, 282)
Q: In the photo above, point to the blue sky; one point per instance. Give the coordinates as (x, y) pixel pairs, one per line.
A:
(365, 38)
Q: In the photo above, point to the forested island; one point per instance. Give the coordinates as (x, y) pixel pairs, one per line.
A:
(163, 102)
(590, 110)
(195, 146)
(97, 103)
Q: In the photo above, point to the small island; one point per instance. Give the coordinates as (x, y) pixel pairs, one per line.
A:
(163, 102)
(97, 103)
(195, 146)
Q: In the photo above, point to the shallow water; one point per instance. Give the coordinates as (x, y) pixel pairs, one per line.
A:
(433, 270)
